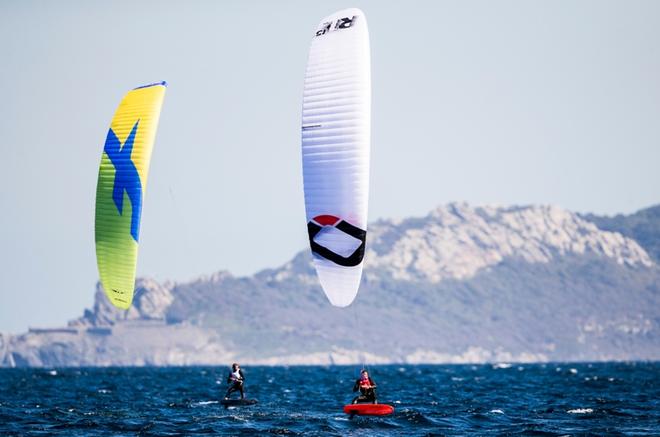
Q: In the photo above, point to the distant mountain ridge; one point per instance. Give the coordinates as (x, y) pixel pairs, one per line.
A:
(457, 241)
(462, 284)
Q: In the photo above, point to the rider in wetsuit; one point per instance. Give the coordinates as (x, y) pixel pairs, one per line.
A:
(236, 380)
(367, 388)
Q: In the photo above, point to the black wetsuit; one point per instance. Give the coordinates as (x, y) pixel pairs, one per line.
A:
(366, 394)
(235, 385)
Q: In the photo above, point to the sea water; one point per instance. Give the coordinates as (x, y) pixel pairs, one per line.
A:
(513, 399)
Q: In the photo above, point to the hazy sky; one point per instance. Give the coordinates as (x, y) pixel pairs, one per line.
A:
(512, 102)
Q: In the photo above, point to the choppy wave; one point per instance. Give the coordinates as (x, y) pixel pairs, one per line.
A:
(447, 400)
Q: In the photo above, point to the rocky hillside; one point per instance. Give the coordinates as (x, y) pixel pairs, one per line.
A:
(643, 227)
(462, 284)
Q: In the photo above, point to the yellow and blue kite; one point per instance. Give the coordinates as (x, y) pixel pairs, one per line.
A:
(121, 187)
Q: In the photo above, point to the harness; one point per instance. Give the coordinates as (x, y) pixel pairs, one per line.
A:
(365, 383)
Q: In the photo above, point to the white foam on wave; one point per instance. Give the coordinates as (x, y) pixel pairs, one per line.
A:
(205, 402)
(52, 372)
(580, 411)
(501, 365)
(497, 411)
(456, 378)
(573, 371)
(103, 391)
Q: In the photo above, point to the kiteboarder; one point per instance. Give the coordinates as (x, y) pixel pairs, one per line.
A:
(235, 381)
(367, 388)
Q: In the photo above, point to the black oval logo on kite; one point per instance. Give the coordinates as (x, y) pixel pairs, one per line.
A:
(315, 225)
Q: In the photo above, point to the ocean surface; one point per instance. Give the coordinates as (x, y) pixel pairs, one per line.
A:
(505, 399)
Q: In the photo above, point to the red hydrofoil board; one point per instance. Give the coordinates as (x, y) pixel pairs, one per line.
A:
(369, 409)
